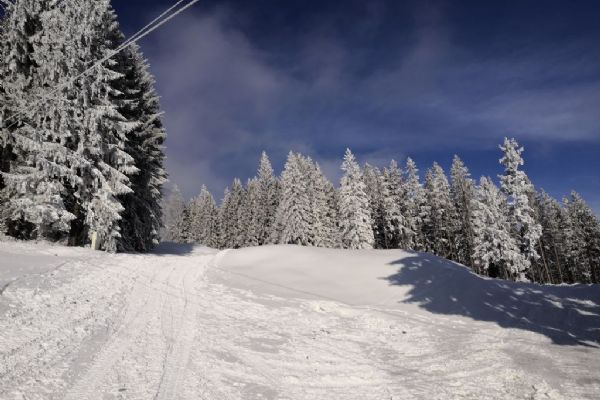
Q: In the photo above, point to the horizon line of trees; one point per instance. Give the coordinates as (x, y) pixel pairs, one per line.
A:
(84, 160)
(511, 231)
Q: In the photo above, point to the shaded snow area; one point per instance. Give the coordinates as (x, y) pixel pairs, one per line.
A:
(285, 322)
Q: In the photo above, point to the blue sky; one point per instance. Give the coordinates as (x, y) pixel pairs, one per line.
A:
(389, 79)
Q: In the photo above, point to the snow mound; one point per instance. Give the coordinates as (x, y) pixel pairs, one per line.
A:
(413, 283)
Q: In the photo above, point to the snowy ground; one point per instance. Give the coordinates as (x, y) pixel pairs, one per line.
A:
(285, 323)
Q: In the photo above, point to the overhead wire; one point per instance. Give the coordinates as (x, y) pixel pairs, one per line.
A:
(140, 34)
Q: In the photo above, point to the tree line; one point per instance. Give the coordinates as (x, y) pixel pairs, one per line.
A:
(80, 154)
(511, 231)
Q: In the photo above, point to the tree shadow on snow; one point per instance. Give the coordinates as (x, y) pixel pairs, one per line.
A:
(173, 249)
(568, 315)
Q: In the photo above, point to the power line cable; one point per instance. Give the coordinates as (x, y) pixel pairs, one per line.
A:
(131, 38)
(145, 31)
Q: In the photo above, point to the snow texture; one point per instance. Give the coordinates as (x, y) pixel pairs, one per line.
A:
(285, 322)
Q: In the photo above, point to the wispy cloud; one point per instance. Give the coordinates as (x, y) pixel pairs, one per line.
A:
(226, 98)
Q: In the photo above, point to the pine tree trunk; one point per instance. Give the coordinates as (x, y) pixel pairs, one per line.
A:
(592, 268)
(558, 263)
(543, 254)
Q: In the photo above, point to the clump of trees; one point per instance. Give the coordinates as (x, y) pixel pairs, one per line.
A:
(80, 154)
(509, 231)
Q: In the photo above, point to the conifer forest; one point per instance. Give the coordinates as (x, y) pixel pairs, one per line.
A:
(367, 265)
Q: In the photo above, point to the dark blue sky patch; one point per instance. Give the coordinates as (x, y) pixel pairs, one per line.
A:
(388, 79)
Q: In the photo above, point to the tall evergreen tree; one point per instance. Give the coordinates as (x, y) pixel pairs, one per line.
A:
(519, 190)
(374, 182)
(231, 217)
(142, 216)
(415, 207)
(223, 225)
(173, 216)
(34, 156)
(72, 144)
(495, 251)
(252, 214)
(553, 242)
(328, 213)
(439, 223)
(324, 214)
(463, 193)
(396, 231)
(584, 240)
(203, 219)
(269, 189)
(292, 222)
(355, 219)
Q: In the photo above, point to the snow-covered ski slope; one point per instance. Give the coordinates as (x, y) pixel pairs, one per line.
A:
(285, 322)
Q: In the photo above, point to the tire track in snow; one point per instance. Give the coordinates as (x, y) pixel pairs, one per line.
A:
(181, 336)
(142, 306)
(50, 334)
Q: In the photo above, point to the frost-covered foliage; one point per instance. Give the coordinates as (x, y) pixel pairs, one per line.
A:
(174, 217)
(415, 208)
(268, 199)
(439, 222)
(495, 251)
(354, 213)
(517, 187)
(142, 217)
(462, 190)
(35, 158)
(232, 217)
(397, 232)
(390, 208)
(293, 220)
(583, 233)
(373, 179)
(203, 216)
(81, 154)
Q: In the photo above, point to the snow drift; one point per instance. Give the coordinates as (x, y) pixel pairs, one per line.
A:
(188, 322)
(411, 282)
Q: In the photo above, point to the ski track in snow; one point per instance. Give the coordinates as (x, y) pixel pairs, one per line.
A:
(164, 327)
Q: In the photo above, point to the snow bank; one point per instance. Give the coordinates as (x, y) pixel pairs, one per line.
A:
(19, 259)
(412, 282)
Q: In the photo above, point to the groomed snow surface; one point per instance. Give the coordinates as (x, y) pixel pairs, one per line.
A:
(285, 322)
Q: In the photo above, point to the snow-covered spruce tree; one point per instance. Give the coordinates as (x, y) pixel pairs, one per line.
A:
(355, 219)
(462, 189)
(328, 213)
(173, 209)
(584, 240)
(231, 217)
(396, 232)
(307, 168)
(269, 189)
(223, 226)
(323, 216)
(495, 251)
(251, 214)
(76, 34)
(34, 156)
(439, 223)
(203, 215)
(102, 131)
(415, 207)
(553, 242)
(70, 159)
(518, 189)
(373, 179)
(293, 213)
(7, 105)
(141, 223)
(183, 233)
